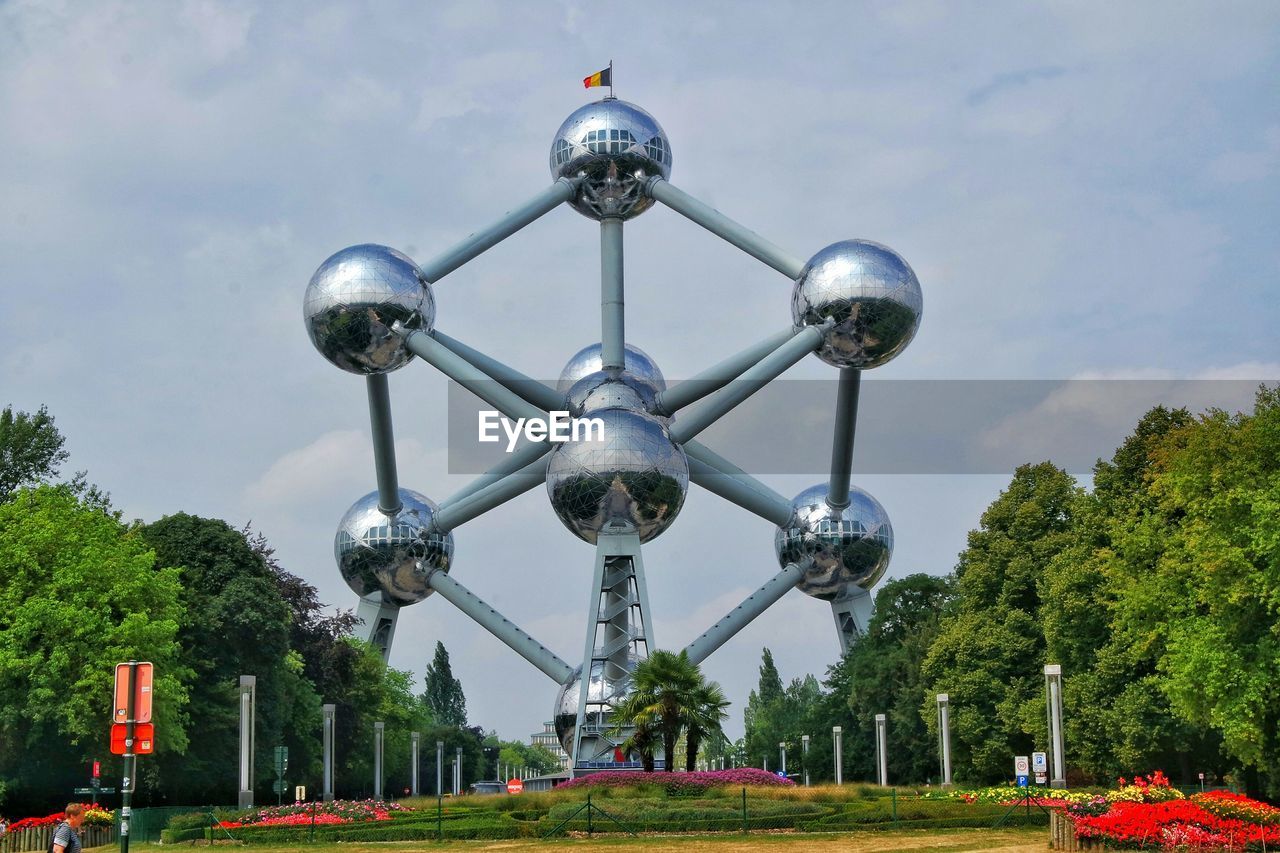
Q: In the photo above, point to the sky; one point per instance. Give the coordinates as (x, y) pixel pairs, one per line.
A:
(1084, 190)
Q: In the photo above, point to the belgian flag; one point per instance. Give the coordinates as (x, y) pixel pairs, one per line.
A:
(600, 78)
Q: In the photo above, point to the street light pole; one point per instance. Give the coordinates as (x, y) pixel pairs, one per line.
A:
(837, 733)
(782, 754)
(944, 737)
(1053, 702)
(804, 757)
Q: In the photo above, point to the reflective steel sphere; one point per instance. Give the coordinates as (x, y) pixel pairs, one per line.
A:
(635, 474)
(849, 546)
(587, 361)
(872, 294)
(610, 389)
(379, 552)
(601, 691)
(355, 297)
(615, 146)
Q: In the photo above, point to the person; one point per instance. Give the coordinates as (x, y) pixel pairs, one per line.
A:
(66, 838)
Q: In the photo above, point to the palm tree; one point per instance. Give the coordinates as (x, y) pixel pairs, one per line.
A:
(634, 713)
(703, 718)
(663, 689)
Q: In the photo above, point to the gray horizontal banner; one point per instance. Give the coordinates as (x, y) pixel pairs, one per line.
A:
(910, 426)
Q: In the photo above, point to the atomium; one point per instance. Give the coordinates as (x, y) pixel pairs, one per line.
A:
(588, 360)
(852, 545)
(354, 299)
(633, 475)
(871, 294)
(370, 309)
(615, 147)
(391, 553)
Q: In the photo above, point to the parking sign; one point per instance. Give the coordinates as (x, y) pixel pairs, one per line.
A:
(1039, 762)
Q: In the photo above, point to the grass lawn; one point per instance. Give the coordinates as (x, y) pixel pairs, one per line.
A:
(882, 841)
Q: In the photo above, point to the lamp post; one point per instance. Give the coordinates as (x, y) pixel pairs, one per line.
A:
(882, 744)
(1053, 707)
(804, 757)
(457, 764)
(330, 714)
(439, 769)
(414, 738)
(944, 737)
(837, 733)
(378, 730)
(248, 711)
(782, 758)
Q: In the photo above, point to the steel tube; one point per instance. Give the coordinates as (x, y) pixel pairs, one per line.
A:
(528, 389)
(481, 241)
(698, 450)
(510, 464)
(771, 507)
(718, 375)
(612, 311)
(842, 442)
(499, 626)
(467, 375)
(384, 445)
(724, 227)
(770, 367)
(742, 615)
(454, 513)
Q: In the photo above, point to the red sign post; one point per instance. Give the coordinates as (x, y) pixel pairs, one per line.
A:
(143, 675)
(515, 786)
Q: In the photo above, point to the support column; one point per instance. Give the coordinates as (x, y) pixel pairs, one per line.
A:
(379, 620)
(882, 750)
(414, 739)
(248, 711)
(330, 718)
(617, 633)
(852, 612)
(612, 321)
(379, 730)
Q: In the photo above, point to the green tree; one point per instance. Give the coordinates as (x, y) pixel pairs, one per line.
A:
(884, 678)
(664, 693)
(990, 650)
(1208, 606)
(30, 449)
(237, 624)
(704, 718)
(444, 696)
(79, 592)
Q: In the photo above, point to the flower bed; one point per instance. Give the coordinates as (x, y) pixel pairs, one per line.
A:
(93, 816)
(1174, 824)
(679, 783)
(330, 813)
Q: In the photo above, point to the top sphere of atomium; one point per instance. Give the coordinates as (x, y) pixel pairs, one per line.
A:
(615, 147)
(848, 546)
(589, 360)
(353, 300)
(870, 292)
(393, 554)
(630, 473)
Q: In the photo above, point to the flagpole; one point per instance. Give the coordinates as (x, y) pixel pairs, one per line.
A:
(610, 78)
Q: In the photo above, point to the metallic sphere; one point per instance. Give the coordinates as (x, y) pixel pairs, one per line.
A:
(873, 296)
(615, 146)
(588, 360)
(376, 551)
(610, 389)
(603, 694)
(634, 475)
(849, 546)
(353, 300)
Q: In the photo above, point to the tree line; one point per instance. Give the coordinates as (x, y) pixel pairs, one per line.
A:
(82, 589)
(1157, 590)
